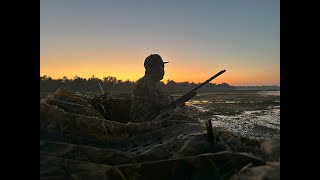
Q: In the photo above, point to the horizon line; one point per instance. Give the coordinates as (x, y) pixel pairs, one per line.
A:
(160, 81)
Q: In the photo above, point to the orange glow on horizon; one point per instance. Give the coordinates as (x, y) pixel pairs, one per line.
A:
(180, 68)
(133, 73)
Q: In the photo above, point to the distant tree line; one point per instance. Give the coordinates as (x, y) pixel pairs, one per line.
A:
(112, 84)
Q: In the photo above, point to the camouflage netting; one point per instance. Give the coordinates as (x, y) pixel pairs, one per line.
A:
(80, 138)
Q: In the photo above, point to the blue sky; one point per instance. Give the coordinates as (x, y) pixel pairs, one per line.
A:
(198, 38)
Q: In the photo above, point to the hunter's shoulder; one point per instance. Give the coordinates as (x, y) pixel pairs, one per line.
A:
(144, 82)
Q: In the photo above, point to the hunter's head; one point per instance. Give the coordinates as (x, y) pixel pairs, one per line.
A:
(154, 66)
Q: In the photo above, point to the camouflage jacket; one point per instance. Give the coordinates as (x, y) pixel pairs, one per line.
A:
(148, 99)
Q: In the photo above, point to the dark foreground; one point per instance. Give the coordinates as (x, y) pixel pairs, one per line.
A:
(80, 139)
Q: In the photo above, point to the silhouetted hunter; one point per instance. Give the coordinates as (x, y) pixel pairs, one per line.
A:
(148, 99)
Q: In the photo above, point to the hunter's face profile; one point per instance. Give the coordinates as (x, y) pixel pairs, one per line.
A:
(154, 66)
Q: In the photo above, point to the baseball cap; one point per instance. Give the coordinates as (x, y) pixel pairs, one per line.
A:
(153, 61)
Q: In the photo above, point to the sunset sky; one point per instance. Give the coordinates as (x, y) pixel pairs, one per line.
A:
(198, 38)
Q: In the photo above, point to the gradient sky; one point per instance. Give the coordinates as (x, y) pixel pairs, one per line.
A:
(198, 38)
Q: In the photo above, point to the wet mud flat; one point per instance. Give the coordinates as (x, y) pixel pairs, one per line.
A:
(254, 114)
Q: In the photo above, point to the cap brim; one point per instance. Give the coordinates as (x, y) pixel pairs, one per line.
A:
(165, 62)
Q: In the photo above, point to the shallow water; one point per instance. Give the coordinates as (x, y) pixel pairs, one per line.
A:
(267, 93)
(254, 114)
